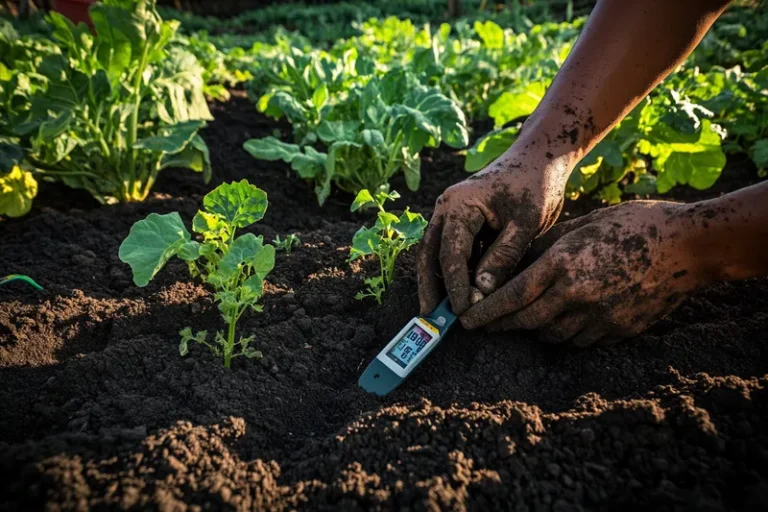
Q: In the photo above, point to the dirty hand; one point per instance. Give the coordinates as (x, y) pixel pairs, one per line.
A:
(599, 278)
(519, 195)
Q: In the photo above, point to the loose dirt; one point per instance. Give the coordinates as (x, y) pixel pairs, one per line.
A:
(100, 411)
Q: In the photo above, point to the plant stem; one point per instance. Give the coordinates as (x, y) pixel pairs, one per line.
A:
(133, 121)
(230, 342)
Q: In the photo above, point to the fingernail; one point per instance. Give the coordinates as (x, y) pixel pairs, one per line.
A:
(486, 282)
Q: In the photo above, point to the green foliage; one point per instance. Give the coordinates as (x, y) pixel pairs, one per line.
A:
(390, 236)
(105, 112)
(234, 266)
(376, 131)
(288, 244)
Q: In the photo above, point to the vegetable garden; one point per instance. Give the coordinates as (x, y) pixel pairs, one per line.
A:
(189, 190)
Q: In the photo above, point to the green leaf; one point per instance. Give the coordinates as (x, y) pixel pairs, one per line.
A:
(239, 203)
(10, 156)
(491, 34)
(194, 156)
(17, 190)
(205, 223)
(363, 199)
(270, 148)
(309, 165)
(151, 243)
(365, 242)
(320, 96)
(489, 148)
(171, 139)
(517, 103)
(247, 250)
(331, 131)
(758, 152)
(190, 251)
(411, 226)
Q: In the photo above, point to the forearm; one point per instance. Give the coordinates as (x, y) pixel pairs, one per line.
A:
(624, 51)
(729, 234)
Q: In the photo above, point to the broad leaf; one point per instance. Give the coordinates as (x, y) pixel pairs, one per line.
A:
(151, 243)
(270, 148)
(239, 203)
(10, 156)
(331, 131)
(363, 199)
(515, 104)
(489, 148)
(411, 226)
(171, 139)
(365, 242)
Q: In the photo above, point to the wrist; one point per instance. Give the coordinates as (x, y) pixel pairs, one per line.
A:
(713, 244)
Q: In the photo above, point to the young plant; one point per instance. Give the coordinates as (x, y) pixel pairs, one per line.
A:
(390, 236)
(378, 131)
(113, 108)
(287, 244)
(234, 266)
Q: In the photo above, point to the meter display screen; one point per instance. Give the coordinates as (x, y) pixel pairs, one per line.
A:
(409, 346)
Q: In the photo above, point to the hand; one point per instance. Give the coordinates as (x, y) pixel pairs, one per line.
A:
(600, 278)
(519, 195)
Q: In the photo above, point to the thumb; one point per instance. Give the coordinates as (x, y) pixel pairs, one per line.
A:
(501, 259)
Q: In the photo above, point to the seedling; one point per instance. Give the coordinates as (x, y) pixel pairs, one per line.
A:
(390, 236)
(19, 277)
(287, 244)
(234, 266)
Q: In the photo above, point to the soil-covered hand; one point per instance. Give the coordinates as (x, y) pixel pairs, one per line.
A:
(520, 196)
(600, 278)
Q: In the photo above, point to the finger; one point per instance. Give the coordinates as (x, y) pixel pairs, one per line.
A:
(455, 250)
(548, 239)
(563, 328)
(514, 295)
(501, 259)
(591, 335)
(541, 312)
(429, 266)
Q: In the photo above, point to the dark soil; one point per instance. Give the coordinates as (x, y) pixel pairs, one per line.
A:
(100, 411)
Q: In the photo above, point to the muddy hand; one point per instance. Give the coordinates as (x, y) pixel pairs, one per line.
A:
(600, 278)
(519, 196)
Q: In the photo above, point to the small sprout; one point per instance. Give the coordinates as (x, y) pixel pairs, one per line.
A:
(390, 236)
(234, 266)
(290, 242)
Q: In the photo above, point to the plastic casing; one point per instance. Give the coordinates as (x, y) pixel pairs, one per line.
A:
(429, 347)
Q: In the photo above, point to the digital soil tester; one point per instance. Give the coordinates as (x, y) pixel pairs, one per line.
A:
(407, 350)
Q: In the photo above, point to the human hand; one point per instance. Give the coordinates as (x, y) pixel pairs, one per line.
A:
(520, 195)
(600, 278)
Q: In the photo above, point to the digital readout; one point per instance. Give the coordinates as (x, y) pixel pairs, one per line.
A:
(409, 346)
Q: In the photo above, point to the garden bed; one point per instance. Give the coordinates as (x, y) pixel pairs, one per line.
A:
(99, 409)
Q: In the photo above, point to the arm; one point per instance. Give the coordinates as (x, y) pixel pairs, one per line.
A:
(609, 275)
(626, 48)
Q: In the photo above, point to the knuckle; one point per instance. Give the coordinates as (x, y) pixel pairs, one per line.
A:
(529, 318)
(513, 292)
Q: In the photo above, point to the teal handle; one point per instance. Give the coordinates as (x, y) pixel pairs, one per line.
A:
(18, 277)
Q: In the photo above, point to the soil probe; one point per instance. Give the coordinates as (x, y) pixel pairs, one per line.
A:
(407, 350)
(18, 277)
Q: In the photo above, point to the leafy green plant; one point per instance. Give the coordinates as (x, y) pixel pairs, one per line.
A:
(234, 266)
(287, 244)
(390, 236)
(378, 131)
(108, 112)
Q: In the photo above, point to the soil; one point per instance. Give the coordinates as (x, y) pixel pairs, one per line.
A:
(100, 411)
